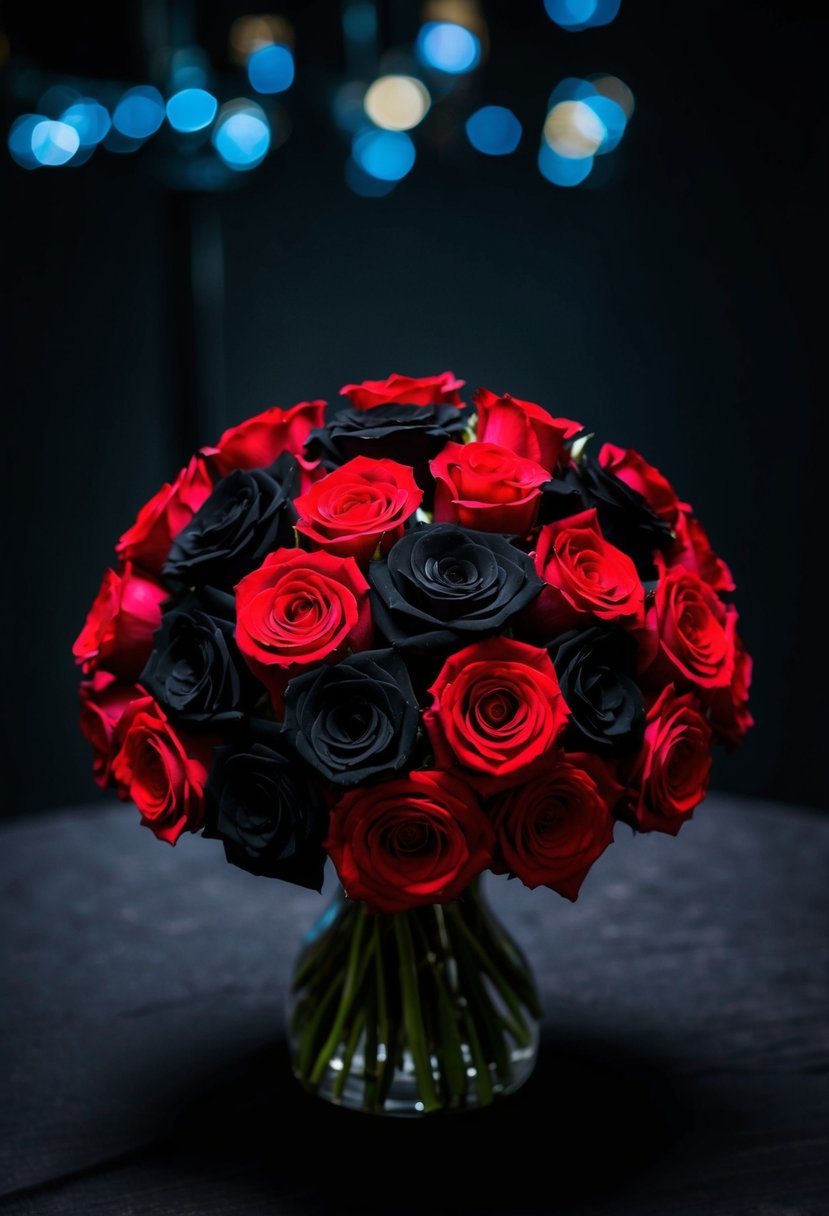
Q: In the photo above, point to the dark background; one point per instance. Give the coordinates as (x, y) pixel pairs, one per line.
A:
(676, 309)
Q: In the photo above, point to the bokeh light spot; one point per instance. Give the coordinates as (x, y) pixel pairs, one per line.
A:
(616, 90)
(494, 130)
(89, 118)
(139, 113)
(387, 155)
(397, 103)
(242, 136)
(573, 129)
(612, 117)
(448, 47)
(574, 15)
(54, 142)
(563, 170)
(20, 140)
(191, 110)
(271, 69)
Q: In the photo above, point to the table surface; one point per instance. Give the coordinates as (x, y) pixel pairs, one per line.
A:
(683, 1069)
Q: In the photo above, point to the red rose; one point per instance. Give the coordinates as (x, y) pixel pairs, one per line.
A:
(359, 506)
(670, 774)
(692, 550)
(163, 772)
(487, 487)
(103, 701)
(299, 609)
(256, 443)
(551, 830)
(523, 427)
(118, 634)
(728, 707)
(634, 471)
(689, 633)
(497, 710)
(417, 840)
(585, 577)
(407, 390)
(147, 542)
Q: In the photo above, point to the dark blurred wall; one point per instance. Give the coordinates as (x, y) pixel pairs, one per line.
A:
(673, 310)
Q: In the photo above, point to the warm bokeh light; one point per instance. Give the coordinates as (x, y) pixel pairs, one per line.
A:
(387, 155)
(397, 103)
(191, 110)
(139, 113)
(271, 69)
(616, 90)
(574, 130)
(448, 47)
(493, 130)
(250, 33)
(242, 135)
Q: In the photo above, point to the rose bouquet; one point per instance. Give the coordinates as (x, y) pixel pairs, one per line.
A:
(426, 640)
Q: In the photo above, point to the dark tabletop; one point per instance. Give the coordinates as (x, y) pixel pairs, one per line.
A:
(683, 1068)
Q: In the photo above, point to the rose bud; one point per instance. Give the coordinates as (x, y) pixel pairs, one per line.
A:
(416, 840)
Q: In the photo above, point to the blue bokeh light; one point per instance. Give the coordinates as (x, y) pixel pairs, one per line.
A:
(271, 69)
(20, 140)
(139, 113)
(242, 136)
(54, 142)
(563, 170)
(89, 118)
(612, 117)
(448, 47)
(574, 15)
(363, 183)
(191, 110)
(494, 130)
(387, 155)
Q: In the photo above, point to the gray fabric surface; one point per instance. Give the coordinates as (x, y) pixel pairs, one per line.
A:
(684, 1063)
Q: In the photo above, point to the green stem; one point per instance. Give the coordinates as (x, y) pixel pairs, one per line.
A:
(412, 1015)
(349, 989)
(491, 968)
(348, 1055)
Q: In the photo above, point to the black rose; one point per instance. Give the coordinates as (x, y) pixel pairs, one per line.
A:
(594, 669)
(409, 434)
(195, 671)
(356, 720)
(265, 809)
(442, 585)
(249, 514)
(559, 500)
(625, 518)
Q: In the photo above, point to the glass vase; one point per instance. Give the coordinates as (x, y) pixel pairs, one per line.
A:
(429, 1010)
